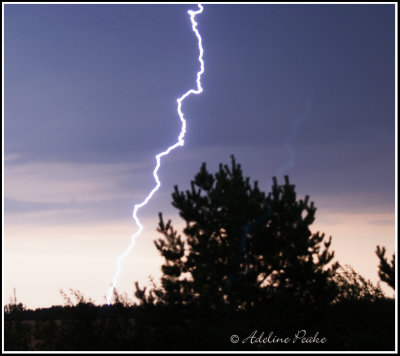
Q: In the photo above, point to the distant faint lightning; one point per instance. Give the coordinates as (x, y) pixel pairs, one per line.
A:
(289, 139)
(180, 142)
(288, 142)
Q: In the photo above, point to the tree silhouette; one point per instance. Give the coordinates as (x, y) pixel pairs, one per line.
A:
(246, 261)
(242, 246)
(386, 271)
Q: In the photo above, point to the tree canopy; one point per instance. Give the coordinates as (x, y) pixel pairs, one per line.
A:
(241, 246)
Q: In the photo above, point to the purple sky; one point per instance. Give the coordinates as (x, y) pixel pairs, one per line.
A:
(90, 97)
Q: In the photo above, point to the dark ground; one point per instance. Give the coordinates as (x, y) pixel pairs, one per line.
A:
(346, 326)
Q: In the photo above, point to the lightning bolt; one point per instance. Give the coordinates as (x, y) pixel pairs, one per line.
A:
(289, 139)
(300, 119)
(180, 142)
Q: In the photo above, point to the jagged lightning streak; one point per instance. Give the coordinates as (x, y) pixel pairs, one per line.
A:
(288, 142)
(299, 120)
(180, 142)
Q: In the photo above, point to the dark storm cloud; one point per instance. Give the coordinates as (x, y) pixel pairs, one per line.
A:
(94, 83)
(262, 62)
(98, 83)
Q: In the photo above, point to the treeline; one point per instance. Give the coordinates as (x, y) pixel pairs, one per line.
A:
(354, 324)
(246, 274)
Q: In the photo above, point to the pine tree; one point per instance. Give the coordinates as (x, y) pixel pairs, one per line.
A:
(386, 271)
(241, 246)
